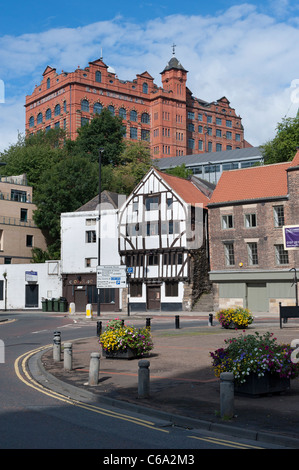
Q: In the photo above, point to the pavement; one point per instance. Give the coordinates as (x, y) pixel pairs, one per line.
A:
(183, 387)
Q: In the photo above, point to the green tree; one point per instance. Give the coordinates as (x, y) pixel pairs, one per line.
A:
(103, 131)
(180, 171)
(283, 147)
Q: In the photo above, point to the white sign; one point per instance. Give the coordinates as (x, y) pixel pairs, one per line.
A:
(111, 277)
(31, 276)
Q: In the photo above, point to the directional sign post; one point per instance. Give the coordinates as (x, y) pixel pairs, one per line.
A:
(111, 277)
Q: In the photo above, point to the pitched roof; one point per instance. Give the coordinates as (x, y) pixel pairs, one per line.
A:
(261, 182)
(186, 189)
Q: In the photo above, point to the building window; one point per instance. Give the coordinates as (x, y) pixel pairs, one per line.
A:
(227, 221)
(200, 145)
(145, 118)
(133, 115)
(31, 121)
(48, 83)
(252, 253)
(229, 123)
(136, 289)
(145, 135)
(210, 146)
(199, 117)
(171, 289)
(238, 137)
(151, 203)
(97, 108)
(229, 135)
(133, 132)
(218, 133)
(64, 106)
(209, 119)
(190, 115)
(278, 216)
(84, 121)
(17, 195)
(152, 228)
(90, 236)
(85, 106)
(191, 143)
(122, 113)
(111, 109)
(229, 254)
(282, 256)
(1, 240)
(23, 215)
(29, 241)
(250, 220)
(191, 127)
(57, 110)
(90, 221)
(91, 262)
(152, 260)
(218, 147)
(98, 76)
(57, 125)
(218, 121)
(7, 260)
(48, 114)
(39, 118)
(145, 88)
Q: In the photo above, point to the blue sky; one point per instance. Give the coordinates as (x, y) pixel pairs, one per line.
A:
(246, 51)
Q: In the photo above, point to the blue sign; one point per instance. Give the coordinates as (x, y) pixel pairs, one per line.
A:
(130, 270)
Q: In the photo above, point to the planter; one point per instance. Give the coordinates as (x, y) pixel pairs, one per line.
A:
(256, 386)
(121, 354)
(234, 326)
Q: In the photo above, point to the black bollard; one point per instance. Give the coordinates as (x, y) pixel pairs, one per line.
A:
(99, 328)
(148, 323)
(177, 321)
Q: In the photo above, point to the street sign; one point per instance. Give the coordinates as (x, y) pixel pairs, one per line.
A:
(111, 277)
(31, 276)
(291, 237)
(130, 270)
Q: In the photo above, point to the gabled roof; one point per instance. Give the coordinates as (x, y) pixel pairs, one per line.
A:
(261, 182)
(107, 197)
(186, 189)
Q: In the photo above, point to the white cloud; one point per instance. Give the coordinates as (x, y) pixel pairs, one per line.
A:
(241, 53)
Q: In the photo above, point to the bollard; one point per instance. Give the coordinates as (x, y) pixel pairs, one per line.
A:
(210, 323)
(143, 379)
(226, 395)
(68, 356)
(148, 323)
(94, 368)
(57, 346)
(72, 308)
(177, 321)
(99, 328)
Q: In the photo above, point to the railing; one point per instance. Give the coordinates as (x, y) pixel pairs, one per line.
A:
(6, 220)
(15, 197)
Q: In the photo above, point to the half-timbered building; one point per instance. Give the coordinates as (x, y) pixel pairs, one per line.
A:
(162, 239)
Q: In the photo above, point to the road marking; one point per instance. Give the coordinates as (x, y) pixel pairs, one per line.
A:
(22, 373)
(223, 442)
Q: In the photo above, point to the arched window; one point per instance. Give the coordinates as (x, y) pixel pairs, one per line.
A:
(98, 76)
(122, 113)
(31, 121)
(39, 118)
(111, 109)
(48, 114)
(145, 118)
(145, 88)
(64, 106)
(133, 115)
(57, 110)
(97, 108)
(84, 105)
(48, 83)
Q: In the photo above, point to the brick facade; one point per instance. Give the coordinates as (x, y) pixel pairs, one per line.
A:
(170, 118)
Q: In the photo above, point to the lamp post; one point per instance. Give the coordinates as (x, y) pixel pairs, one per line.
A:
(101, 150)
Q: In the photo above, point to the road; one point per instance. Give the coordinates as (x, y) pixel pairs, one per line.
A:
(34, 417)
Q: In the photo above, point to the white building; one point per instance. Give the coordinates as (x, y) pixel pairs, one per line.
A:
(162, 237)
(79, 252)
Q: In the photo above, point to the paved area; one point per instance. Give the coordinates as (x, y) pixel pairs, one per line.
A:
(182, 382)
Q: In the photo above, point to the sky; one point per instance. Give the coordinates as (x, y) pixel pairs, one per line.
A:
(247, 51)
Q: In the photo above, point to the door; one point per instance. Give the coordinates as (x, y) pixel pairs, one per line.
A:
(80, 300)
(31, 295)
(153, 297)
(257, 297)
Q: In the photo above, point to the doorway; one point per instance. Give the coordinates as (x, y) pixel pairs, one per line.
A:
(153, 297)
(257, 298)
(31, 295)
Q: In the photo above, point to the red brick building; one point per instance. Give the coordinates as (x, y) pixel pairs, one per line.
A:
(170, 118)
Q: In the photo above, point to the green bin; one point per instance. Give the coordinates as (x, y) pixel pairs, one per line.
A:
(50, 305)
(56, 305)
(44, 305)
(63, 304)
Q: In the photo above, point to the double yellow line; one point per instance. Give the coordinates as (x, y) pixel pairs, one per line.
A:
(225, 443)
(22, 373)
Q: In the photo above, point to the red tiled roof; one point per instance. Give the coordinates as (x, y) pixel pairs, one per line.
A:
(259, 182)
(185, 189)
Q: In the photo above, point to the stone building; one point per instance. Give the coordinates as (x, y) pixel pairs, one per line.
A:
(169, 117)
(247, 212)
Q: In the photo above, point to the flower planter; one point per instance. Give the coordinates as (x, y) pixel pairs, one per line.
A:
(234, 326)
(267, 384)
(120, 354)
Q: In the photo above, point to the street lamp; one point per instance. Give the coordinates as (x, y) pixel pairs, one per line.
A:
(101, 151)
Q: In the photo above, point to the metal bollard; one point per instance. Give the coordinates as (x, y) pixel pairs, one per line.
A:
(68, 356)
(57, 346)
(210, 323)
(94, 368)
(148, 323)
(143, 378)
(226, 394)
(99, 328)
(177, 321)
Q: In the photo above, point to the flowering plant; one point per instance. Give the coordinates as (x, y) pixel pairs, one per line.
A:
(239, 316)
(254, 354)
(119, 337)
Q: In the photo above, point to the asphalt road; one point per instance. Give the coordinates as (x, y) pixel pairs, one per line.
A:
(34, 417)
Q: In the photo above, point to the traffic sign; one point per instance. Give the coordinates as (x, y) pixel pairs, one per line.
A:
(109, 277)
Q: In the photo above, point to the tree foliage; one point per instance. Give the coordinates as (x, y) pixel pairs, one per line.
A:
(283, 147)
